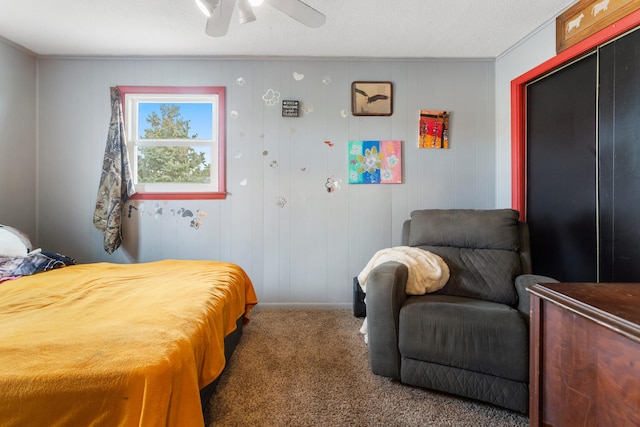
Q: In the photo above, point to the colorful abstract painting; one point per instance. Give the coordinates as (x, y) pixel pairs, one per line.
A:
(434, 129)
(375, 162)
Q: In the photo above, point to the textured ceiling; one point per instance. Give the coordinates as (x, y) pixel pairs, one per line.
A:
(354, 28)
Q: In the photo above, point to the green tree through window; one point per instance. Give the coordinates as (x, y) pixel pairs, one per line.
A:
(171, 163)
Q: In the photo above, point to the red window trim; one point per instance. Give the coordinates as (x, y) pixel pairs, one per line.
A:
(518, 101)
(213, 90)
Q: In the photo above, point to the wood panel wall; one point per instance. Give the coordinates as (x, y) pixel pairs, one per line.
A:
(17, 138)
(307, 251)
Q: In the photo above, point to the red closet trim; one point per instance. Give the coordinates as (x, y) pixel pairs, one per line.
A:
(518, 101)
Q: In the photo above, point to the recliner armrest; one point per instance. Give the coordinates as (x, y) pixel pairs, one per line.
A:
(385, 291)
(522, 283)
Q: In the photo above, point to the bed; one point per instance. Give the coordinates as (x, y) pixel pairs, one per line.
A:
(107, 344)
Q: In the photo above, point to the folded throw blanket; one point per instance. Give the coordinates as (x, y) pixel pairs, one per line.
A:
(427, 271)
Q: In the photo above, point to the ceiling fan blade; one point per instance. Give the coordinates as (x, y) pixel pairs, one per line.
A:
(299, 11)
(218, 23)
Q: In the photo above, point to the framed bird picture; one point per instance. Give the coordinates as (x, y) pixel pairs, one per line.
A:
(371, 98)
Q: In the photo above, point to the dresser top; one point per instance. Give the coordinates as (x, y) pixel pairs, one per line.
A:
(614, 305)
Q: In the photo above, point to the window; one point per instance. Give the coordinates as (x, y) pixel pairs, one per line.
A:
(176, 141)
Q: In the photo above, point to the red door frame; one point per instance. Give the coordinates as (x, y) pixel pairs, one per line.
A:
(518, 101)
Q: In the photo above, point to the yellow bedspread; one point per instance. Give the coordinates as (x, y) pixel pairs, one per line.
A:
(116, 344)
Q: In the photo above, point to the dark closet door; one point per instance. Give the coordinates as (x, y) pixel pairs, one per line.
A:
(561, 172)
(619, 138)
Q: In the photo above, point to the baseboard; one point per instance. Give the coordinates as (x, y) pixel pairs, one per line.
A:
(304, 306)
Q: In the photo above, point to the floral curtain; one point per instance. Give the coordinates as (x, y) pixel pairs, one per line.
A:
(116, 184)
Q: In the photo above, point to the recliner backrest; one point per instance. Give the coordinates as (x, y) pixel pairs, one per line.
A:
(481, 248)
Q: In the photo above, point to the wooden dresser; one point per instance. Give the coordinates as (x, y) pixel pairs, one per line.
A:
(585, 354)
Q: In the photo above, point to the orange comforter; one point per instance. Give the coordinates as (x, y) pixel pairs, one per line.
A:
(116, 344)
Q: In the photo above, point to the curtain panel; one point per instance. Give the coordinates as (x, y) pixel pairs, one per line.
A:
(116, 183)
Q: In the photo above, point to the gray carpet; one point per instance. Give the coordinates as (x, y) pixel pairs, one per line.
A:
(310, 368)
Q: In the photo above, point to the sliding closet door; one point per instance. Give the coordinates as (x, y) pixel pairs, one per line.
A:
(619, 136)
(561, 172)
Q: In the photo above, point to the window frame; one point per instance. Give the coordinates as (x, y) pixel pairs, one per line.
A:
(220, 171)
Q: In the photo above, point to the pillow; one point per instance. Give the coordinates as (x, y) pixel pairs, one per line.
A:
(13, 243)
(37, 261)
(465, 228)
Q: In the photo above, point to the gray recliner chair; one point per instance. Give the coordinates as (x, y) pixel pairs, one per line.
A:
(470, 338)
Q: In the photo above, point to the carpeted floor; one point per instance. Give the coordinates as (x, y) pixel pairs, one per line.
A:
(311, 368)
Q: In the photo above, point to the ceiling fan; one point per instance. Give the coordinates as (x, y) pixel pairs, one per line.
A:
(219, 13)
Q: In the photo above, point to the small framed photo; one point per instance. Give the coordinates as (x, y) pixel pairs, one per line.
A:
(371, 98)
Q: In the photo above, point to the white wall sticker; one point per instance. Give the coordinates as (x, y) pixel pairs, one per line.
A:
(281, 202)
(271, 97)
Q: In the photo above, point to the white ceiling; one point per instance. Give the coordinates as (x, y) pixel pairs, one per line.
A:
(354, 28)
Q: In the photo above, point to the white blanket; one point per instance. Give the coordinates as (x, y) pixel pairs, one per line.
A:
(427, 271)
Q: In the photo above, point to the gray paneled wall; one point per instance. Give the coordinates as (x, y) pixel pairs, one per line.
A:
(18, 139)
(304, 251)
